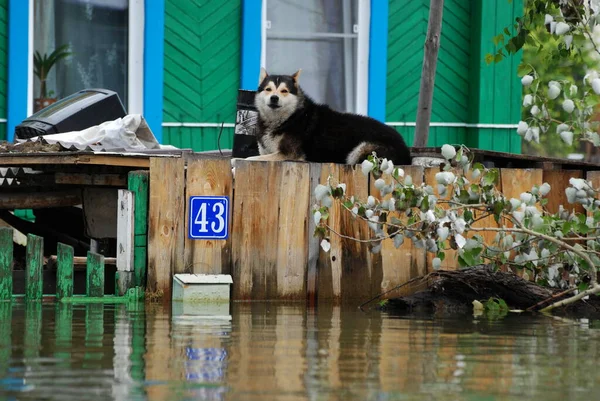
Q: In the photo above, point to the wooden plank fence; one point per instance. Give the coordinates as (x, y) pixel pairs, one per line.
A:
(271, 253)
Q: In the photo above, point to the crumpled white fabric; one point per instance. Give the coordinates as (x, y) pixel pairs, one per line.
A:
(123, 134)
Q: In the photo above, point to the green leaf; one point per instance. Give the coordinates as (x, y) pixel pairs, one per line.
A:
(441, 255)
(498, 58)
(489, 58)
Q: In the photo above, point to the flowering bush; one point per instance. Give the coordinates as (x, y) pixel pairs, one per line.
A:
(559, 100)
(559, 250)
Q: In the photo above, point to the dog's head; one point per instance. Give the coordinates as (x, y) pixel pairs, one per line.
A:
(278, 96)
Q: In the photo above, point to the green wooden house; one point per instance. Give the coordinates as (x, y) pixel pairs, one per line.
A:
(362, 56)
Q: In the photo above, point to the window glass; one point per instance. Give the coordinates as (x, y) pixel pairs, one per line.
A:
(319, 37)
(97, 34)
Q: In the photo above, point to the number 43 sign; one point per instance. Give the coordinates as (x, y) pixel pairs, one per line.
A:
(209, 217)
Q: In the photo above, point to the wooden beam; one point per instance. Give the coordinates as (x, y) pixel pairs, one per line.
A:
(112, 180)
(125, 246)
(36, 200)
(26, 159)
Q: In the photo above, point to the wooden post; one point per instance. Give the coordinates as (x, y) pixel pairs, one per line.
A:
(64, 271)
(63, 333)
(6, 263)
(432, 46)
(166, 223)
(125, 241)
(95, 275)
(138, 184)
(34, 265)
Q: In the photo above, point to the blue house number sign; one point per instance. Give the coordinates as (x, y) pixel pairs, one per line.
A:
(209, 217)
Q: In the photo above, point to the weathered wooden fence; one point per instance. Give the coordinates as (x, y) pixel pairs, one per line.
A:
(271, 252)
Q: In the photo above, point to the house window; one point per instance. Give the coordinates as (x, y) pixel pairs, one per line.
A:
(321, 38)
(97, 35)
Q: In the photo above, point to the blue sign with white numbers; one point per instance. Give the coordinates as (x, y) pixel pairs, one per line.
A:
(209, 217)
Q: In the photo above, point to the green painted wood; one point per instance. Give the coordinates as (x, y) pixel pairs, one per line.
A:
(64, 271)
(5, 337)
(6, 263)
(95, 275)
(202, 68)
(497, 97)
(199, 138)
(138, 184)
(34, 264)
(466, 89)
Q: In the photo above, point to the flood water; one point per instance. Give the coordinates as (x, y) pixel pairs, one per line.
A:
(271, 351)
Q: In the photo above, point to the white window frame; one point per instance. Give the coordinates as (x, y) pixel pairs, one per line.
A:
(135, 61)
(361, 91)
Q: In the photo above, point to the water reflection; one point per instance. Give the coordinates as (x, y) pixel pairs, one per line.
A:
(271, 351)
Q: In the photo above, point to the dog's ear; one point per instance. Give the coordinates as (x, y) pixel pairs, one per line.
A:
(262, 76)
(296, 75)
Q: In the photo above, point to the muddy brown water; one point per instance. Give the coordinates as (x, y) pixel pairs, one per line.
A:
(271, 351)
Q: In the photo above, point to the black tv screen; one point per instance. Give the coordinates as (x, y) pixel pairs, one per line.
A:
(76, 112)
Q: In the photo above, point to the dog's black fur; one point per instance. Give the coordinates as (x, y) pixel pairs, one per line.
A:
(316, 133)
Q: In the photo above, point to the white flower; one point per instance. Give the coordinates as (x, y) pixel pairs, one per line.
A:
(445, 178)
(553, 90)
(507, 241)
(460, 240)
(390, 168)
(475, 174)
(568, 106)
(326, 245)
(436, 263)
(370, 201)
(321, 191)
(533, 134)
(527, 100)
(522, 127)
(571, 194)
(526, 80)
(384, 164)
(596, 85)
(568, 41)
(567, 137)
(317, 217)
(535, 110)
(459, 225)
(562, 127)
(379, 183)
(448, 151)
(400, 172)
(573, 90)
(544, 189)
(548, 19)
(562, 28)
(366, 167)
(518, 215)
(355, 210)
(515, 204)
(552, 26)
(443, 233)
(408, 180)
(578, 183)
(526, 197)
(429, 216)
(392, 204)
(373, 220)
(369, 213)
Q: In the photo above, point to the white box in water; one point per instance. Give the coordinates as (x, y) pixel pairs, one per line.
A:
(201, 288)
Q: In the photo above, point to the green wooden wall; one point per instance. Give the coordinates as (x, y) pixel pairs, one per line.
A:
(466, 89)
(202, 70)
(3, 64)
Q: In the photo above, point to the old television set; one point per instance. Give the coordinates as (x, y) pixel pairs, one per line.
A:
(76, 112)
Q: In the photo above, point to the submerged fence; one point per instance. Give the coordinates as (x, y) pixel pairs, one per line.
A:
(271, 252)
(34, 265)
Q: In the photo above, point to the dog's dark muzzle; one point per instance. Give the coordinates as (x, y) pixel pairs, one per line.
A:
(274, 102)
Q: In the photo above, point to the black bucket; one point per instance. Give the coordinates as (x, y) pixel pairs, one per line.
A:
(244, 140)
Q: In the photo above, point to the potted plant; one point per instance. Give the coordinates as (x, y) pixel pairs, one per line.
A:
(42, 66)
